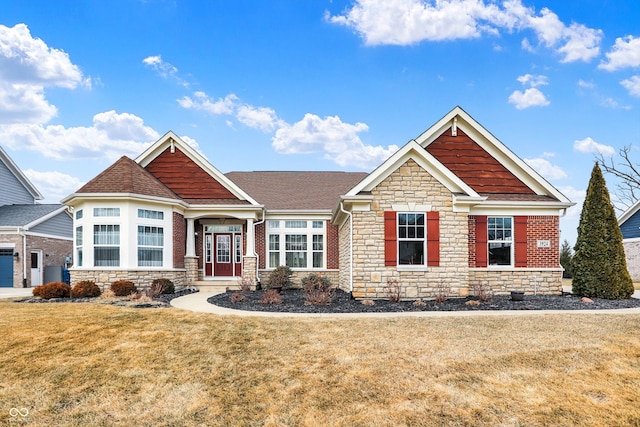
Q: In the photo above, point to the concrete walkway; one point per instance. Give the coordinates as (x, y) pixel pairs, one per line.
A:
(198, 302)
(15, 292)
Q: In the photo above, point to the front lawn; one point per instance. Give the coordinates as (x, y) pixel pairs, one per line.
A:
(89, 364)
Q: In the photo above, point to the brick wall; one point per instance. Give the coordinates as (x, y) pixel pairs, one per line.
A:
(632, 253)
(260, 240)
(543, 228)
(333, 253)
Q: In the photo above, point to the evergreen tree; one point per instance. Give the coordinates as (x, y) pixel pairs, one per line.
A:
(566, 258)
(599, 264)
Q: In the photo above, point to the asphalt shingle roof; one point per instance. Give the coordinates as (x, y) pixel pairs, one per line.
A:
(21, 215)
(296, 190)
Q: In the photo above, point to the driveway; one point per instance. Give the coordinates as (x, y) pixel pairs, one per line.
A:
(15, 292)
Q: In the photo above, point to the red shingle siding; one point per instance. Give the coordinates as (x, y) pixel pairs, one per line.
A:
(186, 178)
(543, 228)
(477, 168)
(333, 245)
(179, 240)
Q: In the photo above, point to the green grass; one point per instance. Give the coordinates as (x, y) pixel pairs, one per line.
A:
(90, 364)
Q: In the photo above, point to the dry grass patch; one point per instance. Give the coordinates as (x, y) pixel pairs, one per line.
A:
(88, 364)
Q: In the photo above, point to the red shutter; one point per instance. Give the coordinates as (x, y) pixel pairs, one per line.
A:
(520, 235)
(433, 239)
(390, 239)
(481, 241)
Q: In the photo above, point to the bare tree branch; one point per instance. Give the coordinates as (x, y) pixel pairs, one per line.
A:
(628, 172)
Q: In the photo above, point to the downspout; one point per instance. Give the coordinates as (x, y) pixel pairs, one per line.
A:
(24, 258)
(254, 246)
(350, 245)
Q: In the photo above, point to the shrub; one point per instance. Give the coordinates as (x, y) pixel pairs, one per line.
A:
(159, 287)
(442, 292)
(482, 292)
(85, 289)
(245, 284)
(394, 290)
(237, 297)
(317, 290)
(280, 278)
(52, 290)
(271, 297)
(122, 288)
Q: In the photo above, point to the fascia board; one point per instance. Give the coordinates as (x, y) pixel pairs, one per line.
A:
(412, 150)
(70, 200)
(493, 146)
(15, 170)
(171, 138)
(629, 213)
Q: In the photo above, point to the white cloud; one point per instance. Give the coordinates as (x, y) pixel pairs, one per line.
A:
(55, 186)
(28, 60)
(546, 168)
(586, 85)
(533, 81)
(262, 118)
(588, 145)
(202, 102)
(625, 53)
(632, 84)
(406, 22)
(27, 67)
(531, 97)
(164, 69)
(112, 135)
(338, 140)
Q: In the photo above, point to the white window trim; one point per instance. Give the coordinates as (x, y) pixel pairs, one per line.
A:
(411, 267)
(309, 231)
(512, 241)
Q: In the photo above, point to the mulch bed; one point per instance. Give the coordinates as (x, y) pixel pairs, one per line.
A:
(293, 301)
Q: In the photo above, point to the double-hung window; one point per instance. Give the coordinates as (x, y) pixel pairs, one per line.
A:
(296, 243)
(500, 240)
(150, 246)
(79, 246)
(411, 238)
(106, 245)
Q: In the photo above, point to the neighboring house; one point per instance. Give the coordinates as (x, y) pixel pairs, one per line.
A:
(629, 223)
(453, 208)
(35, 239)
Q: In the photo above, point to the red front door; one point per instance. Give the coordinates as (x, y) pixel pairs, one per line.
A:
(223, 255)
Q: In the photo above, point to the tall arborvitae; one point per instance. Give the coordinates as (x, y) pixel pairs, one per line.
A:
(599, 265)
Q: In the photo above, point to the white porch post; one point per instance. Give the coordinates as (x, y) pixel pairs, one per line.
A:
(251, 249)
(191, 238)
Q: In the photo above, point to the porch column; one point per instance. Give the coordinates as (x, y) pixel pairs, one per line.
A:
(191, 238)
(251, 246)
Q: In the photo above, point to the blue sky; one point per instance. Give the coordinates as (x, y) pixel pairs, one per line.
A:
(316, 85)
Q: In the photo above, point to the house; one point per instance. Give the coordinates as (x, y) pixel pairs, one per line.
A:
(453, 207)
(629, 223)
(35, 239)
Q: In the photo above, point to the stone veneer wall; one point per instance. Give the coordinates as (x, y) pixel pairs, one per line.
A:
(407, 185)
(344, 249)
(529, 280)
(632, 253)
(141, 278)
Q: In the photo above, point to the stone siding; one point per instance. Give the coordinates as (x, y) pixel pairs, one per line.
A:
(502, 282)
(632, 253)
(141, 278)
(344, 249)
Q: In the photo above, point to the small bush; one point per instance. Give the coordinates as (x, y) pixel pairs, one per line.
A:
(245, 284)
(85, 289)
(482, 292)
(237, 297)
(280, 278)
(52, 290)
(394, 290)
(271, 297)
(122, 288)
(317, 290)
(442, 292)
(159, 287)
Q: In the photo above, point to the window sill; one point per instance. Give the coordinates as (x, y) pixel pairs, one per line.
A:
(412, 268)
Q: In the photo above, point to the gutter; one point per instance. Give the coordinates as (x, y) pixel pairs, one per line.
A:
(350, 244)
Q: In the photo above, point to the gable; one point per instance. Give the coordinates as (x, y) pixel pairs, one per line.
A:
(630, 222)
(16, 188)
(185, 178)
(474, 165)
(59, 225)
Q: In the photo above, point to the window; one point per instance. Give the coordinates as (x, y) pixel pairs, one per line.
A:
(150, 246)
(500, 240)
(411, 238)
(149, 214)
(106, 245)
(79, 214)
(299, 244)
(79, 246)
(106, 211)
